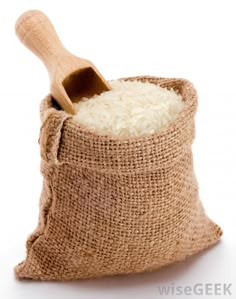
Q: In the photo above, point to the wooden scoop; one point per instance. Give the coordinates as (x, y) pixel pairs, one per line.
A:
(71, 77)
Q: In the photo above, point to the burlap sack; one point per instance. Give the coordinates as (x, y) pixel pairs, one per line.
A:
(111, 207)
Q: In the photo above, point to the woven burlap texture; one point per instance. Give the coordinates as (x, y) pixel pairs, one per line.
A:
(110, 206)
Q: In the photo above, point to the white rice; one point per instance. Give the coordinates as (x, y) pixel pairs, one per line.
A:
(129, 110)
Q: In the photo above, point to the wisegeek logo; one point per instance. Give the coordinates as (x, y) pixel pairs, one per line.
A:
(201, 289)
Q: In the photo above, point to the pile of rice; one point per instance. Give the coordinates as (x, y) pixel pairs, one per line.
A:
(129, 110)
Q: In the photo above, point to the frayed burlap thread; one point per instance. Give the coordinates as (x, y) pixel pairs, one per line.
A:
(112, 207)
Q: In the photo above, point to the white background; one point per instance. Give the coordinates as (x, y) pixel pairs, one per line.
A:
(190, 39)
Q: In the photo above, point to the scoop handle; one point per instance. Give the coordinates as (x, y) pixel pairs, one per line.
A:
(37, 33)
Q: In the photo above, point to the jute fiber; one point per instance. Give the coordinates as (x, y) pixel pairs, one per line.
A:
(110, 206)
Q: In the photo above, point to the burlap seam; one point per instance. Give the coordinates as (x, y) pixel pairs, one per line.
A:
(41, 233)
(50, 134)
